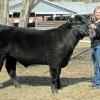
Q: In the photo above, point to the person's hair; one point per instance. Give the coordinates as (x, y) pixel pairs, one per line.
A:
(98, 7)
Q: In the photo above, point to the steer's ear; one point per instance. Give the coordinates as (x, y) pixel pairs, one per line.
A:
(71, 20)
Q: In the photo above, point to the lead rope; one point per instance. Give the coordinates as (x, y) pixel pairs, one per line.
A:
(80, 54)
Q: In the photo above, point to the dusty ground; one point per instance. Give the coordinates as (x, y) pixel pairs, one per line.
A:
(35, 81)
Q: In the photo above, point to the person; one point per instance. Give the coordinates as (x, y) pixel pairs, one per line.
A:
(95, 43)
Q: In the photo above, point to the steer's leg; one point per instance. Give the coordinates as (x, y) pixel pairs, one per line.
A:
(55, 73)
(58, 80)
(11, 69)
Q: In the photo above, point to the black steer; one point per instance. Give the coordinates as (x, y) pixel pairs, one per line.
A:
(53, 47)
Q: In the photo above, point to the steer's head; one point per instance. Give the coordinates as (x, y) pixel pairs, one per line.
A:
(80, 23)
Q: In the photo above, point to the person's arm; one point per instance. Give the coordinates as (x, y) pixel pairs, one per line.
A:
(98, 28)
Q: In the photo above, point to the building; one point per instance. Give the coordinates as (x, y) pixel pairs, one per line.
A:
(45, 10)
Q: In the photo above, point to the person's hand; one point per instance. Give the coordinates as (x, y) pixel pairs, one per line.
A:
(93, 26)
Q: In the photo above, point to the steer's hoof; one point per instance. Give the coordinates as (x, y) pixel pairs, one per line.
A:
(17, 85)
(54, 90)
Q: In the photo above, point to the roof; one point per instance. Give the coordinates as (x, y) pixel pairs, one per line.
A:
(47, 7)
(79, 7)
(91, 6)
(41, 7)
(50, 7)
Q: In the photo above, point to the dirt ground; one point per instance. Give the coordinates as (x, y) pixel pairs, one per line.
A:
(76, 80)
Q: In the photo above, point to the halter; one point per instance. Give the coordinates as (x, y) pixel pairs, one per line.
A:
(86, 24)
(79, 29)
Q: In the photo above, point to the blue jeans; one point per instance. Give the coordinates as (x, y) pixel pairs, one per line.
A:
(96, 61)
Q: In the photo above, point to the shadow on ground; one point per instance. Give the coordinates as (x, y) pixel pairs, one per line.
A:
(43, 81)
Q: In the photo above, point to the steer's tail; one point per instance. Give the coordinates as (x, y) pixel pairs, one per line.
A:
(0, 67)
(1, 64)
